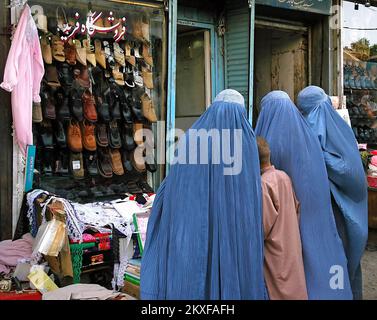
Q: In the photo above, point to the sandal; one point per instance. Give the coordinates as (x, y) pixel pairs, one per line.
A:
(119, 54)
(46, 50)
(80, 52)
(99, 53)
(109, 55)
(58, 49)
(90, 55)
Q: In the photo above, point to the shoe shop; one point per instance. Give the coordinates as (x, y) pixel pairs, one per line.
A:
(359, 62)
(111, 86)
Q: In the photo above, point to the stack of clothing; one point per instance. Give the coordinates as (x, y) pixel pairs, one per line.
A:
(132, 278)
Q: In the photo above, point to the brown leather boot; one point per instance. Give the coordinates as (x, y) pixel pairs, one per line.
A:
(74, 137)
(90, 112)
(88, 137)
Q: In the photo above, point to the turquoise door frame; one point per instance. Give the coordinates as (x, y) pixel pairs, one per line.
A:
(217, 73)
(172, 55)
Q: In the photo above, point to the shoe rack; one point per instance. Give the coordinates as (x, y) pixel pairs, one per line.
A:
(96, 100)
(360, 87)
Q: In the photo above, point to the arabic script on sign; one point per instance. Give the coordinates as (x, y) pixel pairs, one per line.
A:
(301, 3)
(90, 27)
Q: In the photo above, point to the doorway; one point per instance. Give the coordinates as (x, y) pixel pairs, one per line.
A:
(193, 75)
(281, 60)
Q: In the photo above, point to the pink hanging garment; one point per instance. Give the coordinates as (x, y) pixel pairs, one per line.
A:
(23, 75)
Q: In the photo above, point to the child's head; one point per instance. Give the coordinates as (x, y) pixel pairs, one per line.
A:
(264, 152)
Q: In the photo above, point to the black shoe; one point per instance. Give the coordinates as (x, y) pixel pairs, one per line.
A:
(76, 104)
(91, 163)
(60, 135)
(150, 163)
(126, 110)
(103, 109)
(115, 106)
(46, 134)
(135, 105)
(114, 135)
(63, 106)
(128, 137)
(127, 165)
(65, 75)
(145, 186)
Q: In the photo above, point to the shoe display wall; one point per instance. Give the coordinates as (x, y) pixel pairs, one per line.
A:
(360, 88)
(97, 96)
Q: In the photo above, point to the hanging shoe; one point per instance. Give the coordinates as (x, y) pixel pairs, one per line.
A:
(60, 135)
(63, 106)
(74, 138)
(77, 165)
(148, 108)
(76, 104)
(114, 135)
(88, 136)
(104, 163)
(80, 52)
(100, 53)
(37, 112)
(138, 133)
(48, 105)
(46, 50)
(109, 54)
(101, 135)
(90, 53)
(91, 163)
(70, 52)
(128, 137)
(127, 165)
(116, 162)
(90, 112)
(58, 49)
(119, 54)
(137, 160)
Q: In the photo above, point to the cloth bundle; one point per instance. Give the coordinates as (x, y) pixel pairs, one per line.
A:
(12, 251)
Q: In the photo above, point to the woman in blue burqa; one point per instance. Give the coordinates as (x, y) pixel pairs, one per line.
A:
(205, 235)
(296, 150)
(346, 176)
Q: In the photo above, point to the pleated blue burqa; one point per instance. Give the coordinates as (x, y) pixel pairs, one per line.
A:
(205, 235)
(346, 176)
(296, 150)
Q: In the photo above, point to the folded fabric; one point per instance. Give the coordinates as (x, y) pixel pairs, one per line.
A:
(12, 251)
(80, 292)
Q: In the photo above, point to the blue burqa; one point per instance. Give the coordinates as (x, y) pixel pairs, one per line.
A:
(346, 175)
(296, 150)
(205, 235)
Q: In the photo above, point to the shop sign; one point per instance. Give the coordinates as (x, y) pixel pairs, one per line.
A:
(90, 28)
(317, 6)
